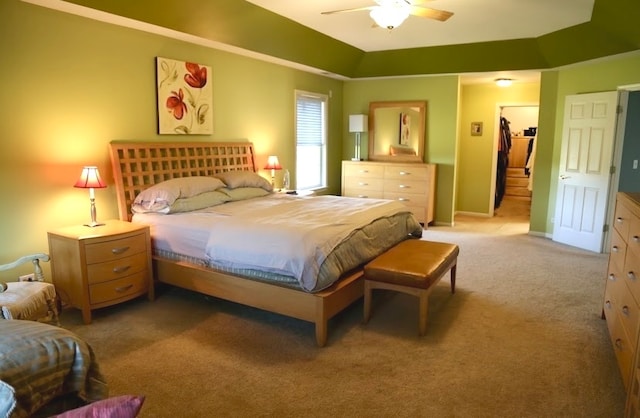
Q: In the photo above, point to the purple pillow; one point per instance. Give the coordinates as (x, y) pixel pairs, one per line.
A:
(125, 406)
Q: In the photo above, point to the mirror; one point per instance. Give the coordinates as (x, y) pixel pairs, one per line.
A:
(397, 131)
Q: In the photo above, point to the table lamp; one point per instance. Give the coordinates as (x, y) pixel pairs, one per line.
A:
(273, 164)
(90, 179)
(358, 124)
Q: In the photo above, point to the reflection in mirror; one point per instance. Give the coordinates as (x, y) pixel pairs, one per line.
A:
(396, 131)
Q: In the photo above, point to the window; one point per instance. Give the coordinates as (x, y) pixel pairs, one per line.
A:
(311, 140)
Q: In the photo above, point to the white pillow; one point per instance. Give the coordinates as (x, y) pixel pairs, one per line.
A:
(160, 196)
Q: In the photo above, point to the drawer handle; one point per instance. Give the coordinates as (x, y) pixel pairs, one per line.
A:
(608, 304)
(404, 173)
(612, 277)
(619, 220)
(619, 343)
(631, 275)
(635, 238)
(123, 288)
(121, 269)
(364, 171)
(403, 199)
(402, 186)
(363, 184)
(615, 249)
(625, 310)
(363, 195)
(119, 250)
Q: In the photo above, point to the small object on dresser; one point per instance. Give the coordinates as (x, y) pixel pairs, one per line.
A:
(292, 192)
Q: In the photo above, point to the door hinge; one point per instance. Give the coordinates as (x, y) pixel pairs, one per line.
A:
(612, 169)
(605, 228)
(619, 109)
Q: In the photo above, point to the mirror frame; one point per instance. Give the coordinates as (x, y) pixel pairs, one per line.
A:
(419, 157)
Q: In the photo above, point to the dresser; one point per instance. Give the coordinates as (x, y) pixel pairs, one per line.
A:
(96, 267)
(411, 183)
(621, 306)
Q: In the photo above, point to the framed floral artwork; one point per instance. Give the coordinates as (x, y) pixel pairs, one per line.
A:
(185, 97)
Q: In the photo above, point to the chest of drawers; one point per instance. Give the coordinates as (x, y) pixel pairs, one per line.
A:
(411, 183)
(622, 294)
(96, 267)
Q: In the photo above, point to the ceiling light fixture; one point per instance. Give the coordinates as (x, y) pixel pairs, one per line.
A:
(503, 82)
(391, 14)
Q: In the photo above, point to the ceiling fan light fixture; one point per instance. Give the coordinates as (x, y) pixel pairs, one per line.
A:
(389, 17)
(503, 82)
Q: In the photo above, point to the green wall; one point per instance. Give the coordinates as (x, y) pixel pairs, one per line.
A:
(71, 85)
(606, 75)
(476, 162)
(441, 95)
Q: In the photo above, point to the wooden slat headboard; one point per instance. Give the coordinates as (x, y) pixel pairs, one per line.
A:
(139, 165)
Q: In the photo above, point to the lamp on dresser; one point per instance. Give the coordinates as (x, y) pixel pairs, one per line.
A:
(90, 179)
(358, 124)
(273, 164)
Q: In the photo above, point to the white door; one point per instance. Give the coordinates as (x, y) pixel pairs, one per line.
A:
(585, 159)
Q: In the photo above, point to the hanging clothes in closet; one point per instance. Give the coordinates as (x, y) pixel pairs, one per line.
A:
(504, 146)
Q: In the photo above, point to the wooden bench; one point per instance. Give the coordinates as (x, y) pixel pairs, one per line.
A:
(413, 267)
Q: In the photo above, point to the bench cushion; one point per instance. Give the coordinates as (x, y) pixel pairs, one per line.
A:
(413, 263)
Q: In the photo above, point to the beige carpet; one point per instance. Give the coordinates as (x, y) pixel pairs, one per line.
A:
(522, 337)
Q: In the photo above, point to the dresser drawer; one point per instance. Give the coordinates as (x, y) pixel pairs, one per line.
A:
(617, 251)
(628, 312)
(632, 275)
(406, 171)
(134, 284)
(110, 270)
(622, 347)
(622, 219)
(363, 170)
(406, 185)
(407, 198)
(633, 242)
(115, 249)
(362, 183)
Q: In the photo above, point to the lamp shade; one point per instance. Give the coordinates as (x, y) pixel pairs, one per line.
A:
(273, 163)
(390, 16)
(90, 178)
(358, 123)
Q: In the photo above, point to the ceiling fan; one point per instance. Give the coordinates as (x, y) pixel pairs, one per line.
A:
(391, 13)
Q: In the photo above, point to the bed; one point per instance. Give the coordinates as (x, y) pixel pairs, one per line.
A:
(42, 364)
(140, 167)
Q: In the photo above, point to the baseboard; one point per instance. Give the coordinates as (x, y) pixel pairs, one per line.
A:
(476, 214)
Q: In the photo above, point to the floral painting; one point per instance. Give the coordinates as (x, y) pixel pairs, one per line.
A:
(185, 99)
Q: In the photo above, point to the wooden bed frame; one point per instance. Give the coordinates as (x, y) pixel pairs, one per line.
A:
(138, 165)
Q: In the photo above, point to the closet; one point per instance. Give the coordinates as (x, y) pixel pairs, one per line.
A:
(516, 149)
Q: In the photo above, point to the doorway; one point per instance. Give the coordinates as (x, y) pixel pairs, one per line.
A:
(513, 177)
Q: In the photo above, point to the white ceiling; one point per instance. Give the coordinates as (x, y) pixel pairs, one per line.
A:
(473, 21)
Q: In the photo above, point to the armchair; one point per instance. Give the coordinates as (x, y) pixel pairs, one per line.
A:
(35, 300)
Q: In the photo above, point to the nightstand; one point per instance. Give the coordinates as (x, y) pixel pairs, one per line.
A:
(102, 266)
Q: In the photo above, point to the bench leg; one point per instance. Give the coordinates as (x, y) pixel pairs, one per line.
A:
(367, 301)
(423, 309)
(453, 278)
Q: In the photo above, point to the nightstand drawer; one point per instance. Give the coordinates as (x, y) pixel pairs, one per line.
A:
(116, 289)
(102, 272)
(622, 220)
(115, 249)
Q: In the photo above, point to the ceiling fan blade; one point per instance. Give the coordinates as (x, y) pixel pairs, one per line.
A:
(440, 15)
(347, 10)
